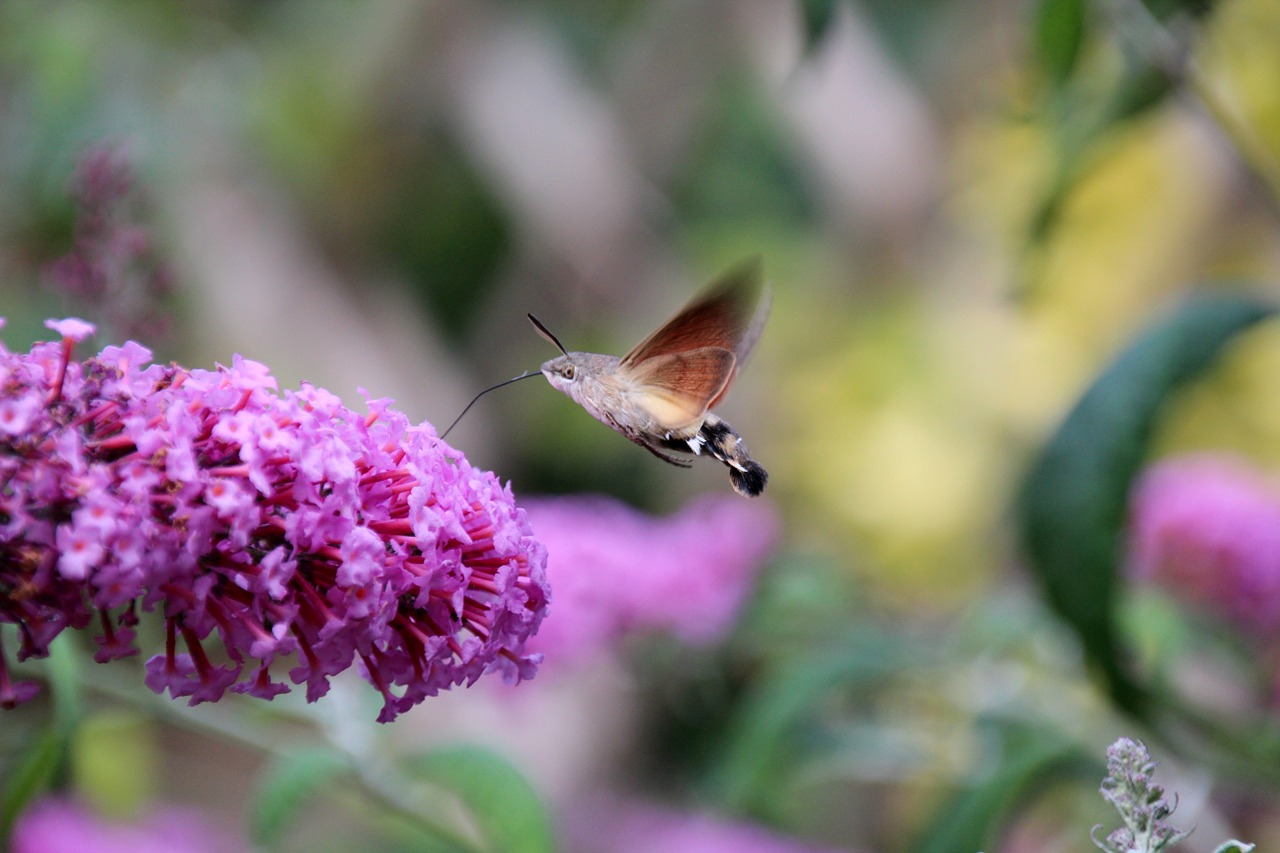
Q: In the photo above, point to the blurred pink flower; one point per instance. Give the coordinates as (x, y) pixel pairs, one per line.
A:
(113, 266)
(1207, 528)
(287, 525)
(61, 826)
(617, 570)
(637, 828)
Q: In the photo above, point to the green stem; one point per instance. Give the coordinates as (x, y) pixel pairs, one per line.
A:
(1161, 48)
(379, 778)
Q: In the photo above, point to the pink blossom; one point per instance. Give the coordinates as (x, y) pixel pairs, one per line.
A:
(281, 525)
(632, 828)
(617, 570)
(1207, 528)
(71, 328)
(61, 826)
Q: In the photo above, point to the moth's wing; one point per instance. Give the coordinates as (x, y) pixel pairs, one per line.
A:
(747, 342)
(677, 388)
(725, 315)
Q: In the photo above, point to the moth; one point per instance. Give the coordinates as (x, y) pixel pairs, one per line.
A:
(661, 393)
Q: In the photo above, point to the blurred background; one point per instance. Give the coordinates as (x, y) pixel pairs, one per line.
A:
(965, 211)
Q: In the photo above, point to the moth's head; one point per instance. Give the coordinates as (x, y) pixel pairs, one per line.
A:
(563, 372)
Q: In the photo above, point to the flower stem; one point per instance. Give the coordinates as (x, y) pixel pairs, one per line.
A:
(379, 778)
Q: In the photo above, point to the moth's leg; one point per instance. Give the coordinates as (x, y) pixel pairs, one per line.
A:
(648, 445)
(679, 463)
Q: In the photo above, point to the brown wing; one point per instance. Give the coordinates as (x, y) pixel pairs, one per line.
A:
(677, 388)
(724, 315)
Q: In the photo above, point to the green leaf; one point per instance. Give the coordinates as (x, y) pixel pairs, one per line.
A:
(115, 762)
(1142, 89)
(768, 738)
(286, 785)
(1163, 10)
(973, 818)
(1234, 846)
(1071, 507)
(63, 668)
(504, 805)
(1059, 32)
(818, 17)
(34, 774)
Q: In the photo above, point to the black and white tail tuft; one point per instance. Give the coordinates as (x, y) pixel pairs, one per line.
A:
(719, 440)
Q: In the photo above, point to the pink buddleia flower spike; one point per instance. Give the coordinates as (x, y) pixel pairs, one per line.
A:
(53, 825)
(1207, 528)
(619, 571)
(620, 826)
(270, 530)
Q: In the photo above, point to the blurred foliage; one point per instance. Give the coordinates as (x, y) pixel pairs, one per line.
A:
(1072, 506)
(976, 218)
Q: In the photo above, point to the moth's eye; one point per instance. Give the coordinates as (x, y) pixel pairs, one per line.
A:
(568, 371)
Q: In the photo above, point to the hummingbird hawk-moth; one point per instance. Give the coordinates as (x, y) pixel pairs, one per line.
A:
(661, 393)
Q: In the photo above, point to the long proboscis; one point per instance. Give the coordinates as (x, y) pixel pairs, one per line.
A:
(524, 375)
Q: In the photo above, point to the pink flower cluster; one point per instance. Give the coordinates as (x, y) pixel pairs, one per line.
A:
(287, 525)
(1207, 528)
(55, 825)
(633, 827)
(618, 571)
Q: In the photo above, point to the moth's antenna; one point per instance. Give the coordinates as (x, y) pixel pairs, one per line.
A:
(546, 333)
(524, 375)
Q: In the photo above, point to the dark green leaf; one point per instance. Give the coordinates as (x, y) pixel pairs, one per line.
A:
(1059, 32)
(1141, 90)
(32, 776)
(1072, 503)
(285, 787)
(1165, 9)
(972, 820)
(507, 810)
(818, 17)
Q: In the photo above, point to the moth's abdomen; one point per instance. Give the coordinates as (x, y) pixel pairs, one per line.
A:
(719, 440)
(749, 482)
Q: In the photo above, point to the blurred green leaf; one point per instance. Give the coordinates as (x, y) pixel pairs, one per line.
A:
(1165, 9)
(818, 15)
(508, 811)
(1059, 33)
(1036, 757)
(33, 775)
(63, 667)
(286, 785)
(1079, 130)
(115, 762)
(1072, 503)
(767, 737)
(1142, 89)
(1234, 846)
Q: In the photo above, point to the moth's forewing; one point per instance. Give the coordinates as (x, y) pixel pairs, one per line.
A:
(677, 388)
(724, 315)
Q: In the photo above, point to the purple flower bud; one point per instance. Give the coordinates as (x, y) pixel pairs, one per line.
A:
(1139, 801)
(279, 525)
